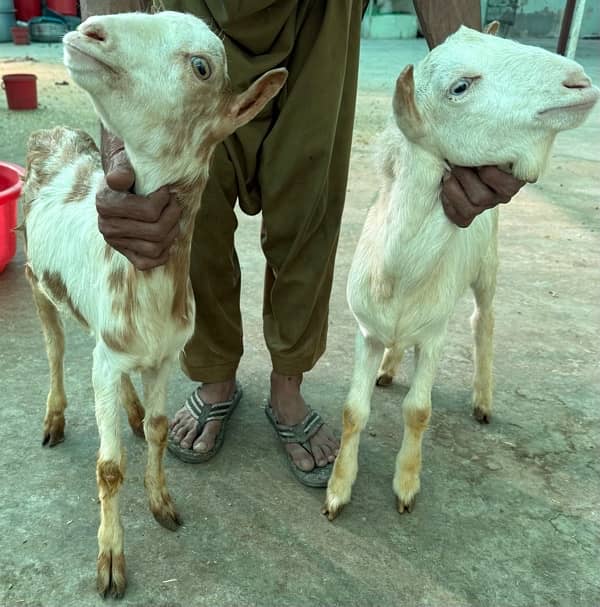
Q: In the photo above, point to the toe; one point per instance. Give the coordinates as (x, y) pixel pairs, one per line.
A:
(188, 439)
(319, 455)
(206, 440)
(301, 457)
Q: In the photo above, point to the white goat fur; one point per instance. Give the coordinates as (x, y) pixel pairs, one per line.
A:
(138, 70)
(412, 264)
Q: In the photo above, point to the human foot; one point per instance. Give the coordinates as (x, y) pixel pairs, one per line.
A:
(289, 408)
(210, 402)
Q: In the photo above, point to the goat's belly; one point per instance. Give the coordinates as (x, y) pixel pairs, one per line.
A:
(405, 322)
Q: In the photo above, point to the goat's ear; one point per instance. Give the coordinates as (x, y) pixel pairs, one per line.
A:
(244, 107)
(406, 112)
(492, 28)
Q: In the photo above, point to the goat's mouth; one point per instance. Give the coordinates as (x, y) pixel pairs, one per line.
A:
(580, 106)
(80, 55)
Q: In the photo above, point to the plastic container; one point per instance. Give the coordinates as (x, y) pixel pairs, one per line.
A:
(28, 9)
(20, 35)
(7, 21)
(21, 91)
(47, 29)
(65, 7)
(10, 190)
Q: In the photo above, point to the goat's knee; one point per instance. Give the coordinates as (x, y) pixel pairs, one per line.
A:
(110, 476)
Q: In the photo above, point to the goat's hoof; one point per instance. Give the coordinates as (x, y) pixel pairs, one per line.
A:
(384, 380)
(53, 437)
(405, 505)
(166, 515)
(331, 508)
(110, 577)
(483, 417)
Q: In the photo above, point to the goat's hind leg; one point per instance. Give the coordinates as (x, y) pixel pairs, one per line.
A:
(156, 427)
(482, 322)
(356, 413)
(54, 422)
(133, 406)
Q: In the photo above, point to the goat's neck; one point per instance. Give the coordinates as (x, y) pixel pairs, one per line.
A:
(414, 216)
(186, 179)
(415, 192)
(187, 182)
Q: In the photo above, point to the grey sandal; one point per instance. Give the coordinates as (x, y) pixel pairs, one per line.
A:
(301, 433)
(203, 414)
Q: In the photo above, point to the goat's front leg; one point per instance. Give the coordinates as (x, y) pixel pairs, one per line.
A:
(482, 322)
(416, 410)
(356, 413)
(156, 428)
(110, 471)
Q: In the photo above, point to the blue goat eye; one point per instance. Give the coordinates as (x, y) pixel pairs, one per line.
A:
(460, 87)
(201, 67)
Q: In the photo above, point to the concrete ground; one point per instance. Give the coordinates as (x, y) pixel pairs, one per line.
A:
(508, 513)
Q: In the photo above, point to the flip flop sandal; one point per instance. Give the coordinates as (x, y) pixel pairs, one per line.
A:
(301, 433)
(203, 414)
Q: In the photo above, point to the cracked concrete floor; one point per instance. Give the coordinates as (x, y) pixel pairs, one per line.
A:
(508, 513)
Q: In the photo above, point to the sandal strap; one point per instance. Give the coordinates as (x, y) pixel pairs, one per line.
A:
(301, 432)
(204, 413)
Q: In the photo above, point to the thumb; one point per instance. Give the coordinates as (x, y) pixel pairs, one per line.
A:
(120, 175)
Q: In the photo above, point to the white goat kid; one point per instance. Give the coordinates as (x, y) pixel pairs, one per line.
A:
(474, 100)
(160, 83)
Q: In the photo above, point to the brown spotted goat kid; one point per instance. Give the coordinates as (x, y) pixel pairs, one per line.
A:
(171, 107)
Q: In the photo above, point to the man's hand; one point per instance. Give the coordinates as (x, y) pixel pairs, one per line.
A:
(468, 192)
(141, 228)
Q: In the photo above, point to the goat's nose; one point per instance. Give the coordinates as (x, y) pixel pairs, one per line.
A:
(577, 80)
(94, 31)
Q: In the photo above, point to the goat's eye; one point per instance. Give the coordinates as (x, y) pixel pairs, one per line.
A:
(460, 87)
(201, 67)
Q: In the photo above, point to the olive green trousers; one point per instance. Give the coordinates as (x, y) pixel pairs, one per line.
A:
(290, 164)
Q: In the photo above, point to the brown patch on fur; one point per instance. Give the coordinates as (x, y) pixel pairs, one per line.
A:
(156, 431)
(178, 265)
(115, 342)
(82, 184)
(53, 282)
(405, 108)
(349, 425)
(116, 280)
(109, 477)
(417, 419)
(133, 406)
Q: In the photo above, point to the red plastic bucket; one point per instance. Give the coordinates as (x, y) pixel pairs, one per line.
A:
(20, 35)
(21, 91)
(66, 7)
(28, 9)
(10, 190)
